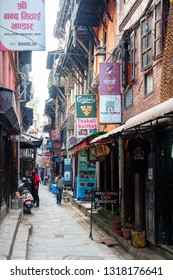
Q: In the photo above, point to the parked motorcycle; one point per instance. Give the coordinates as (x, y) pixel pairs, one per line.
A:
(26, 196)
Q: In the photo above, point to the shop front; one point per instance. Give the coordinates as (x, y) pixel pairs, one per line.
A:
(145, 163)
(85, 168)
(148, 172)
(9, 128)
(28, 149)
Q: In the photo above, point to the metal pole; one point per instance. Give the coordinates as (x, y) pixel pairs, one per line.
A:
(91, 235)
(89, 68)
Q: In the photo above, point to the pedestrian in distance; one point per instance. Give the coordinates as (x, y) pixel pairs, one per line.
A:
(59, 181)
(35, 180)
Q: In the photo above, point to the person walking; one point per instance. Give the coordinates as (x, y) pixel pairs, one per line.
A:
(59, 181)
(35, 180)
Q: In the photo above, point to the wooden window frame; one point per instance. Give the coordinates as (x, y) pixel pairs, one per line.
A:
(158, 38)
(148, 48)
(147, 73)
(132, 56)
(125, 95)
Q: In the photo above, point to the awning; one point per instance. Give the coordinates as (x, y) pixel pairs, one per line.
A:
(86, 142)
(8, 116)
(157, 112)
(29, 142)
(101, 138)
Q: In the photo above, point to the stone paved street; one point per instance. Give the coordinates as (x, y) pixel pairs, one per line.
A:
(61, 232)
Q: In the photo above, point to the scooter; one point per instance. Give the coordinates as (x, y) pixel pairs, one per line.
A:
(26, 197)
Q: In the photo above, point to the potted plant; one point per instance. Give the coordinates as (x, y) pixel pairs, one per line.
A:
(126, 229)
(116, 221)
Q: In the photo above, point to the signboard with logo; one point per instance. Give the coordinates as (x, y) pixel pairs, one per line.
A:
(86, 115)
(56, 135)
(72, 140)
(86, 177)
(110, 99)
(22, 25)
(53, 145)
(45, 153)
(67, 172)
(106, 197)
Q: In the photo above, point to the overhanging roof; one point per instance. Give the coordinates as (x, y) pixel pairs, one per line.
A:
(8, 115)
(146, 119)
(29, 142)
(157, 112)
(101, 138)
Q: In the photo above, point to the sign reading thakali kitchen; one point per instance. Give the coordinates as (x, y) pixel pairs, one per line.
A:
(22, 25)
(110, 99)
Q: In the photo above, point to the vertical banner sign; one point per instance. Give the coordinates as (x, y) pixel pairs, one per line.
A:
(86, 115)
(22, 25)
(67, 172)
(86, 177)
(110, 98)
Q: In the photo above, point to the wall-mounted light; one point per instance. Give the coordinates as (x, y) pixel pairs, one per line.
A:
(101, 51)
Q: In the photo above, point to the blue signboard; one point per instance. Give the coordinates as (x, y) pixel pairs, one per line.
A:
(67, 172)
(86, 177)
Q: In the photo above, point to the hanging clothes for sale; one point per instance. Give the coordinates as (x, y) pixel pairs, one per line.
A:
(139, 149)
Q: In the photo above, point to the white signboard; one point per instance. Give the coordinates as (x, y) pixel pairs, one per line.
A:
(86, 126)
(22, 25)
(110, 108)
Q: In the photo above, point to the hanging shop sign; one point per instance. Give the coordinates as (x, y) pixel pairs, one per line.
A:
(110, 99)
(56, 135)
(45, 153)
(45, 159)
(53, 146)
(67, 172)
(86, 115)
(22, 25)
(100, 150)
(86, 177)
(72, 140)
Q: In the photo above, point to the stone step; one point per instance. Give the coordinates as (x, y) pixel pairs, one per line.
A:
(8, 231)
(20, 247)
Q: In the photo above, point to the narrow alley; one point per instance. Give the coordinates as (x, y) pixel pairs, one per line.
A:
(62, 232)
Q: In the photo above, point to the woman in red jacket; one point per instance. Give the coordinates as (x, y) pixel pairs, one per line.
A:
(35, 180)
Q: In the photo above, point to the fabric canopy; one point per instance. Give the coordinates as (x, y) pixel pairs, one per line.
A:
(29, 142)
(163, 110)
(101, 138)
(157, 112)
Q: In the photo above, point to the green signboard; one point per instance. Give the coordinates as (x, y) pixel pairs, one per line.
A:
(85, 106)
